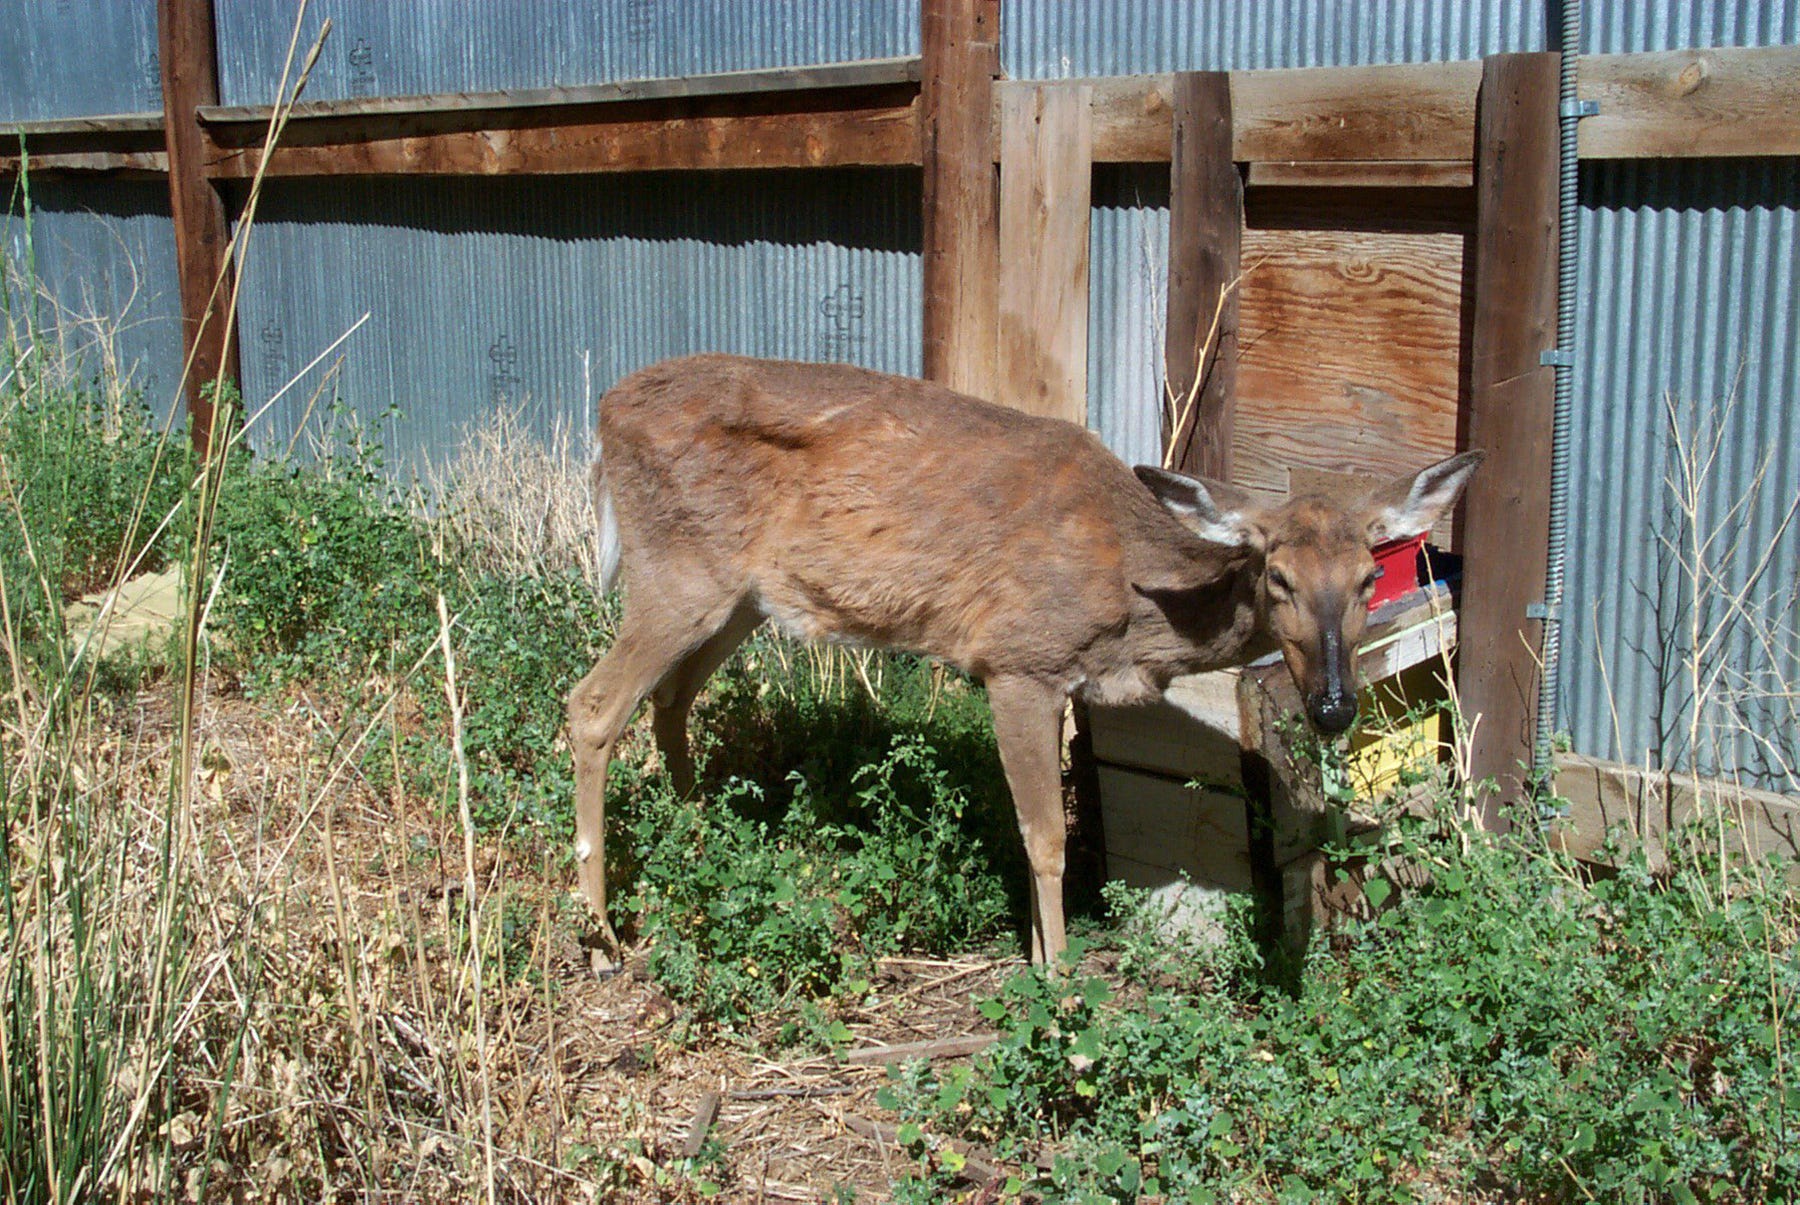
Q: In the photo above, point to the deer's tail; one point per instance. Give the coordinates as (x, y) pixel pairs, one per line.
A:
(606, 526)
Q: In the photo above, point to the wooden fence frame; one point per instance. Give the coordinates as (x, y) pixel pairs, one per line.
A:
(1006, 165)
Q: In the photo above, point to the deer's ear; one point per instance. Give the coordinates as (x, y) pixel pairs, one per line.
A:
(1411, 506)
(1212, 510)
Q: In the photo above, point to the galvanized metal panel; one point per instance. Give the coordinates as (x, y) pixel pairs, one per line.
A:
(1612, 27)
(1052, 39)
(489, 291)
(1689, 301)
(426, 46)
(1128, 305)
(103, 257)
(65, 58)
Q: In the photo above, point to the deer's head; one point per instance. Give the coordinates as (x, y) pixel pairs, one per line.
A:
(1314, 564)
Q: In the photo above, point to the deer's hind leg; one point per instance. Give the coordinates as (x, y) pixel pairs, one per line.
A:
(654, 639)
(674, 697)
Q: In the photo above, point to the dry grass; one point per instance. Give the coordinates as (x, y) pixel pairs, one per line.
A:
(518, 503)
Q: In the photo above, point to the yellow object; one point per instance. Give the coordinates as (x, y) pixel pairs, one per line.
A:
(1404, 730)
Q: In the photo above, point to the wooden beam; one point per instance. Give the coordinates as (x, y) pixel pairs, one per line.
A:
(1724, 101)
(1206, 235)
(1721, 101)
(124, 142)
(1633, 808)
(1403, 112)
(1046, 185)
(1506, 515)
(1354, 173)
(115, 123)
(133, 163)
(869, 128)
(961, 220)
(1410, 111)
(868, 73)
(184, 33)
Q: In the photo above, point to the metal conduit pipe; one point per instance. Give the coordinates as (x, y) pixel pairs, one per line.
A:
(1570, 111)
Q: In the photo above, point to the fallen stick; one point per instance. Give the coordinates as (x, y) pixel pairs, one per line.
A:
(937, 1048)
(704, 1112)
(800, 1091)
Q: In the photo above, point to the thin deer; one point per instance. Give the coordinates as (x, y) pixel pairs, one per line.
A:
(851, 506)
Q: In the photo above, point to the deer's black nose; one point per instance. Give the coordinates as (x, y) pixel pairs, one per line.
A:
(1332, 712)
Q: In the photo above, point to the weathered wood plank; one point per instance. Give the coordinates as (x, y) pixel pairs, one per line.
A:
(881, 134)
(1410, 111)
(1206, 233)
(1134, 117)
(1720, 101)
(1354, 173)
(1415, 111)
(1046, 181)
(1158, 822)
(1639, 809)
(1350, 360)
(867, 73)
(112, 123)
(136, 163)
(961, 227)
(184, 35)
(1506, 511)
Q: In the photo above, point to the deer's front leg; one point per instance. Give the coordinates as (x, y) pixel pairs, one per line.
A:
(1027, 725)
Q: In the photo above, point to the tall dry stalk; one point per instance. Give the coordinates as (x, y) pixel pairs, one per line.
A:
(517, 505)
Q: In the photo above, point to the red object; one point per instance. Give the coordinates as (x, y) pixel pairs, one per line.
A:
(1397, 562)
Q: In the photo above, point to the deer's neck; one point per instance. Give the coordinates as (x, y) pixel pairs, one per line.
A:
(1190, 612)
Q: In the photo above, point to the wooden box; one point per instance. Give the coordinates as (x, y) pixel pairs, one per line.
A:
(1185, 782)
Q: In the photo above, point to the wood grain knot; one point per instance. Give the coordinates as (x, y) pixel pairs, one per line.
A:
(1691, 77)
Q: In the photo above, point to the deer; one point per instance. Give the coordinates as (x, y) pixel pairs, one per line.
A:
(845, 505)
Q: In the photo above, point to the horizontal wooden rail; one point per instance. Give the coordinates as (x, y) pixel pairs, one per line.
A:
(877, 127)
(1614, 808)
(113, 123)
(1402, 125)
(869, 73)
(1725, 102)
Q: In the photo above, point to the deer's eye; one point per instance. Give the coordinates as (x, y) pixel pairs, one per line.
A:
(1279, 583)
(1368, 583)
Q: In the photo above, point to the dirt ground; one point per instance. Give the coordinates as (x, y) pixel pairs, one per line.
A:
(597, 1089)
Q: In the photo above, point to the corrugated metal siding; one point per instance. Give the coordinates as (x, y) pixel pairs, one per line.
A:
(70, 58)
(105, 265)
(1615, 27)
(1689, 304)
(378, 48)
(491, 290)
(1128, 308)
(1053, 39)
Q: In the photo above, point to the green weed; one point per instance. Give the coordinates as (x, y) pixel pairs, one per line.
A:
(1511, 1029)
(745, 917)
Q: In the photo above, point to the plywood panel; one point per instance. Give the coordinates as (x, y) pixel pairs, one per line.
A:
(1350, 353)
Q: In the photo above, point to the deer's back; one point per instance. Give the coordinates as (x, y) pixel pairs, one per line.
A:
(872, 508)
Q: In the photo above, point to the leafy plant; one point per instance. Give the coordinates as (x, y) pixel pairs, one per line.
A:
(1509, 1029)
(745, 917)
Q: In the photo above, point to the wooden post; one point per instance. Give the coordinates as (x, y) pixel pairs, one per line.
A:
(1506, 517)
(1206, 234)
(1046, 197)
(184, 35)
(961, 56)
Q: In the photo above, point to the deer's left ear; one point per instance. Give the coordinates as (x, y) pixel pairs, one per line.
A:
(1412, 505)
(1212, 510)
